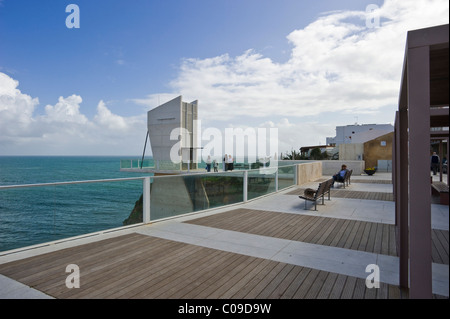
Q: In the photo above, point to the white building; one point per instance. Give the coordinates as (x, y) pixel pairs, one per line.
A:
(358, 133)
(179, 119)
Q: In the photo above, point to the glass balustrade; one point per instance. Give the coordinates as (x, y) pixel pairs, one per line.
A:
(35, 214)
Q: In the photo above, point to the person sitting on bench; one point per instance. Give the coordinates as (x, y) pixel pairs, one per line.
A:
(339, 177)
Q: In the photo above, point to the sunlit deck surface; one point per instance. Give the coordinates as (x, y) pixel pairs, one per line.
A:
(266, 248)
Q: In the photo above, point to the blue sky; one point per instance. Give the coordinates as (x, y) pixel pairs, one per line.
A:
(301, 66)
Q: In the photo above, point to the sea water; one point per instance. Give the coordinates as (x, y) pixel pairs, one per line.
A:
(36, 215)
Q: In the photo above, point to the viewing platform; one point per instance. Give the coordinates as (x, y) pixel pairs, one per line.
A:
(269, 247)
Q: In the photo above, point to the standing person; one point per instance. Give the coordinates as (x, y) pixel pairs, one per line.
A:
(435, 162)
(230, 163)
(225, 162)
(216, 166)
(208, 164)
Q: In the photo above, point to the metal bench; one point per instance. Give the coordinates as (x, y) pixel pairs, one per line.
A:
(314, 195)
(346, 180)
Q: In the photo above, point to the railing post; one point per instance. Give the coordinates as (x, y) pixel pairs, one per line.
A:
(146, 200)
(295, 174)
(245, 186)
(276, 180)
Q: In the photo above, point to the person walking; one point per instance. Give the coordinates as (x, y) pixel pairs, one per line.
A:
(435, 163)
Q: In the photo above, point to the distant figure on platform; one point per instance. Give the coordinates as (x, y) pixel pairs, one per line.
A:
(435, 163)
(230, 163)
(216, 166)
(225, 162)
(340, 175)
(208, 164)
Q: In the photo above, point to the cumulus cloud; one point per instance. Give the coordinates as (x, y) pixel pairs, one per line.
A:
(67, 110)
(338, 63)
(63, 129)
(16, 109)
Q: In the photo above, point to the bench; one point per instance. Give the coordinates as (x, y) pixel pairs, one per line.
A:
(441, 189)
(346, 179)
(314, 195)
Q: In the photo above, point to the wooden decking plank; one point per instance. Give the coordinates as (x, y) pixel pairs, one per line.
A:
(38, 268)
(265, 282)
(352, 234)
(215, 278)
(152, 274)
(348, 288)
(378, 239)
(316, 285)
(382, 292)
(289, 293)
(245, 292)
(310, 233)
(279, 291)
(440, 255)
(167, 284)
(273, 285)
(96, 270)
(358, 236)
(230, 291)
(306, 284)
(385, 240)
(329, 232)
(194, 277)
(327, 286)
(284, 229)
(342, 231)
(371, 238)
(150, 270)
(365, 237)
(303, 225)
(392, 241)
(322, 233)
(338, 286)
(133, 274)
(359, 289)
(40, 262)
(370, 293)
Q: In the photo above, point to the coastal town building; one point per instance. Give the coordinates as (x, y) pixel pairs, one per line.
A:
(358, 133)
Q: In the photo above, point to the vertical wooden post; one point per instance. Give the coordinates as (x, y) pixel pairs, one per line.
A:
(419, 172)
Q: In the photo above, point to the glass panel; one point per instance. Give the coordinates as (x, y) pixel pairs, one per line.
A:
(285, 176)
(35, 215)
(177, 195)
(260, 182)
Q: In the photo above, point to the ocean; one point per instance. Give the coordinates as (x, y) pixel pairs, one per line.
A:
(30, 216)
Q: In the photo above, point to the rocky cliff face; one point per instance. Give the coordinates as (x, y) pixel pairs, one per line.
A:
(136, 214)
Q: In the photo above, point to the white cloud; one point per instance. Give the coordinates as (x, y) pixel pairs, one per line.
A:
(109, 120)
(337, 64)
(67, 110)
(16, 108)
(63, 129)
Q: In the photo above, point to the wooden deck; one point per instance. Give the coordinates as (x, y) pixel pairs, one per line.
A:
(343, 233)
(141, 266)
(350, 193)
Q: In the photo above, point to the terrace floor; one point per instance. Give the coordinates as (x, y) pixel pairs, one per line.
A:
(266, 248)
